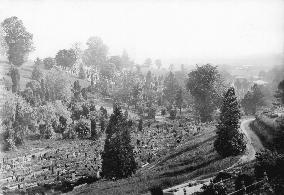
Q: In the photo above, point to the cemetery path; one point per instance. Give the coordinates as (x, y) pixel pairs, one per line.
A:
(254, 145)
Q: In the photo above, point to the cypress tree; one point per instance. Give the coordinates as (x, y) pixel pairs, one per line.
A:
(118, 156)
(229, 141)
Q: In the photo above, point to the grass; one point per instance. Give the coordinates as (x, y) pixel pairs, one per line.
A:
(194, 160)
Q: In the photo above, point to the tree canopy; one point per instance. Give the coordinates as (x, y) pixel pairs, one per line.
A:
(18, 40)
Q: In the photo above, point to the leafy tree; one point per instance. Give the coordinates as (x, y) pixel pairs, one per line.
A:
(57, 86)
(179, 99)
(229, 140)
(83, 128)
(170, 88)
(117, 61)
(48, 63)
(66, 58)
(148, 62)
(18, 40)
(158, 63)
(15, 76)
(280, 92)
(96, 53)
(82, 74)
(118, 157)
(37, 73)
(201, 84)
(252, 100)
(38, 62)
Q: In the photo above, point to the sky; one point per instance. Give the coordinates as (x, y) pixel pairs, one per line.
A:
(188, 30)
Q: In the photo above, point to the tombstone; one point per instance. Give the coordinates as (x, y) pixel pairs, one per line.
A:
(86, 155)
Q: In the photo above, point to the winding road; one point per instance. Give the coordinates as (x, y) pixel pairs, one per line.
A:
(254, 145)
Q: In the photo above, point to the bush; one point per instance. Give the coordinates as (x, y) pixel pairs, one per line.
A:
(48, 63)
(82, 128)
(173, 114)
(163, 112)
(213, 189)
(245, 180)
(36, 74)
(70, 132)
(156, 190)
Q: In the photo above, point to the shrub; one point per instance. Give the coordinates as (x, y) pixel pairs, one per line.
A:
(48, 63)
(173, 114)
(245, 180)
(163, 112)
(37, 74)
(70, 132)
(213, 189)
(82, 128)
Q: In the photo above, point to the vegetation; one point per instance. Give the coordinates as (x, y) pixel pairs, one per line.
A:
(229, 141)
(118, 156)
(202, 84)
(252, 100)
(18, 40)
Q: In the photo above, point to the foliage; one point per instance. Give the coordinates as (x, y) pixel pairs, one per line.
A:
(82, 128)
(118, 156)
(173, 113)
(15, 76)
(151, 112)
(280, 92)
(270, 162)
(252, 100)
(140, 125)
(117, 61)
(93, 128)
(66, 58)
(37, 73)
(82, 74)
(48, 63)
(213, 189)
(17, 116)
(229, 141)
(96, 53)
(18, 40)
(179, 99)
(170, 88)
(202, 86)
(58, 86)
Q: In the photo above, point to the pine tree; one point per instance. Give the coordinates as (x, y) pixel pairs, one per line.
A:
(93, 128)
(118, 156)
(140, 125)
(229, 141)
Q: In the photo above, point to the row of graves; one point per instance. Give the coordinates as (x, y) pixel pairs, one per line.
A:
(53, 170)
(158, 138)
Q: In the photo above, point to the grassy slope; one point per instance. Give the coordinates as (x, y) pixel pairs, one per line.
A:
(195, 159)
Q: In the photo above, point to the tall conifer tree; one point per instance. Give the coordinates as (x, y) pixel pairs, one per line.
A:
(229, 141)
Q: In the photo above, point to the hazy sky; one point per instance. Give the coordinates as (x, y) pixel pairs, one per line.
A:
(190, 29)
